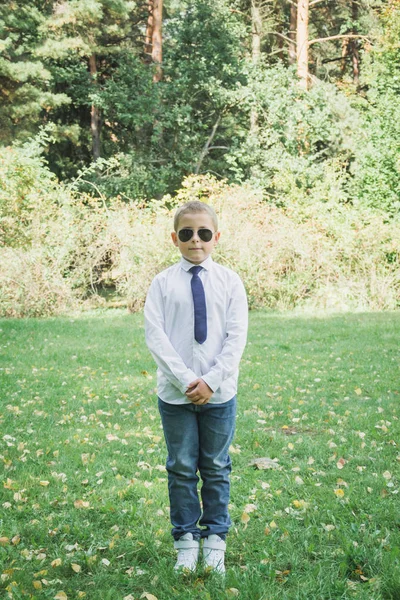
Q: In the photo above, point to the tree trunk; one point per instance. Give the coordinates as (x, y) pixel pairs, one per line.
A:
(156, 53)
(302, 42)
(148, 44)
(345, 50)
(153, 40)
(292, 33)
(256, 28)
(355, 56)
(95, 119)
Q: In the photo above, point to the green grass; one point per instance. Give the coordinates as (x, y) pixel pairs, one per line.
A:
(82, 456)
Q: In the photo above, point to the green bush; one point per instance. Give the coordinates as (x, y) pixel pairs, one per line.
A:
(27, 191)
(64, 254)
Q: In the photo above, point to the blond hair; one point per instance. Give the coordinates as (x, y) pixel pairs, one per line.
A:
(195, 206)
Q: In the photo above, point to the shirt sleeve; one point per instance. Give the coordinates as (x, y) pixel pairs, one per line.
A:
(163, 352)
(227, 362)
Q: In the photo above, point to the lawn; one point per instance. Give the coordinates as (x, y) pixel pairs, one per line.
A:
(83, 500)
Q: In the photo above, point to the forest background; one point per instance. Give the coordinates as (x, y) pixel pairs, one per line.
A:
(284, 115)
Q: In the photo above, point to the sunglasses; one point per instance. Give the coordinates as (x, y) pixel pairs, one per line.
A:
(204, 234)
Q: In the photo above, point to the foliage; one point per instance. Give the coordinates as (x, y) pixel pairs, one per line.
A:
(26, 83)
(82, 66)
(84, 43)
(84, 490)
(57, 256)
(318, 168)
(376, 166)
(299, 134)
(28, 192)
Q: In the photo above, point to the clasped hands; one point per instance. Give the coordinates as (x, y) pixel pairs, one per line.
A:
(198, 392)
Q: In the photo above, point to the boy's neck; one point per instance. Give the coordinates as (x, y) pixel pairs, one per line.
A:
(197, 264)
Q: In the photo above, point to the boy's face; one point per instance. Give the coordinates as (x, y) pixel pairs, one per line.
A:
(196, 250)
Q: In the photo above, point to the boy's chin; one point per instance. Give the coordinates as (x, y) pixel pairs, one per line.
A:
(196, 258)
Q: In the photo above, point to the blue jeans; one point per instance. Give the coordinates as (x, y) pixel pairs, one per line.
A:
(198, 439)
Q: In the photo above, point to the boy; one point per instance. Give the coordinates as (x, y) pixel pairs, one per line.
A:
(196, 329)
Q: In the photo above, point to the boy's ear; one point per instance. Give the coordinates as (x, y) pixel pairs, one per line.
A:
(217, 236)
(174, 238)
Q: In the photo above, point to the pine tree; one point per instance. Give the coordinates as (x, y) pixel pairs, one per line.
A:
(26, 94)
(91, 36)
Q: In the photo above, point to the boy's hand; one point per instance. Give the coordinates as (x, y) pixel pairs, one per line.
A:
(199, 392)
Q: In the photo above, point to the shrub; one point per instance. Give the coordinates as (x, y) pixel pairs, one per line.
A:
(325, 256)
(31, 285)
(321, 255)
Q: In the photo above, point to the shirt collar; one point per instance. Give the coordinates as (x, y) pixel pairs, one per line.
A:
(206, 264)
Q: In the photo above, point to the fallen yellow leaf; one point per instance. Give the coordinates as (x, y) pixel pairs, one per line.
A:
(41, 573)
(81, 504)
(61, 596)
(300, 504)
(339, 493)
(340, 463)
(56, 562)
(76, 568)
(273, 525)
(148, 596)
(245, 519)
(250, 508)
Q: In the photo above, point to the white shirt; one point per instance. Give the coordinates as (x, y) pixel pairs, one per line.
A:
(169, 327)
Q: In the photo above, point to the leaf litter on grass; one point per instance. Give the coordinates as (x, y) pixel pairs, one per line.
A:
(104, 451)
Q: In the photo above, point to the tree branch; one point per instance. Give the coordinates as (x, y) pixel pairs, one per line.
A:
(338, 37)
(284, 37)
(239, 12)
(207, 145)
(329, 60)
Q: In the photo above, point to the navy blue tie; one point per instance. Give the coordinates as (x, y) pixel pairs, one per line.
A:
(199, 303)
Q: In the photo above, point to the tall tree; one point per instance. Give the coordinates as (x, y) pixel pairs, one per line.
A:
(334, 25)
(153, 43)
(292, 32)
(302, 41)
(96, 32)
(256, 31)
(26, 94)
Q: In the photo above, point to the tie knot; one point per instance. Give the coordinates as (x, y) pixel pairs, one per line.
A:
(195, 270)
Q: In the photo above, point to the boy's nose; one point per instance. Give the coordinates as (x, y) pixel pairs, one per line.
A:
(195, 236)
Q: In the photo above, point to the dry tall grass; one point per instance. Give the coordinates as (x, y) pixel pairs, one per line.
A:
(319, 256)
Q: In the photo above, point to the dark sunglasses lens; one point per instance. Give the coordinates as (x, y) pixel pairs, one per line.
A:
(205, 234)
(185, 235)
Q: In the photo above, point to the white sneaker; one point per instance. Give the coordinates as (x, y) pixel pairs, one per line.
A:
(188, 552)
(214, 553)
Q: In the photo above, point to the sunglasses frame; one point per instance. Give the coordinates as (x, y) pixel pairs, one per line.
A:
(198, 233)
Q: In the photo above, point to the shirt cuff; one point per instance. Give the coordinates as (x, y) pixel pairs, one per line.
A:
(211, 381)
(189, 377)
